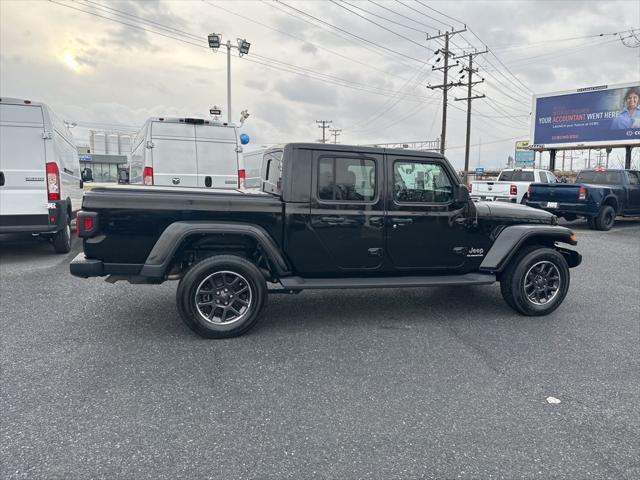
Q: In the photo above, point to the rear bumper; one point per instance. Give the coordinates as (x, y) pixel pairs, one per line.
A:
(580, 209)
(488, 198)
(84, 267)
(50, 222)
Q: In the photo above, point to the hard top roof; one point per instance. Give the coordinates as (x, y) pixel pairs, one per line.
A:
(363, 149)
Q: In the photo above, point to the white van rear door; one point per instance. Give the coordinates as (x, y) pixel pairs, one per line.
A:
(22, 160)
(174, 154)
(217, 156)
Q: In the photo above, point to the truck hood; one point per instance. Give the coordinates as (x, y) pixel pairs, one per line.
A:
(513, 213)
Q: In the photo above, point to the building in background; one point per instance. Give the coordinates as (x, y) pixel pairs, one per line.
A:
(106, 152)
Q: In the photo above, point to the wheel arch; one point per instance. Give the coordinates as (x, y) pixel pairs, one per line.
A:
(222, 237)
(612, 201)
(513, 239)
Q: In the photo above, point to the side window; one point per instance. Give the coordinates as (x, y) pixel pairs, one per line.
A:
(346, 179)
(544, 178)
(421, 182)
(633, 178)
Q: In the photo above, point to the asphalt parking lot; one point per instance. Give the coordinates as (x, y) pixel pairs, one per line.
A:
(105, 381)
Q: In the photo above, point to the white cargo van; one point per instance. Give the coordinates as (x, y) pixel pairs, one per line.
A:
(187, 152)
(40, 183)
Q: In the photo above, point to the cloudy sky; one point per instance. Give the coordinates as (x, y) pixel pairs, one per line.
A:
(365, 65)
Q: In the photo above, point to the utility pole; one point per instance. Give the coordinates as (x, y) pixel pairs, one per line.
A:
(446, 85)
(470, 83)
(336, 133)
(324, 124)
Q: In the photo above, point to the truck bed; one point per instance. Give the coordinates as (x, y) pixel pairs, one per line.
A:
(131, 217)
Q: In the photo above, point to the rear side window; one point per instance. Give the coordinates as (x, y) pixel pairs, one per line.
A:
(421, 182)
(515, 176)
(600, 177)
(346, 179)
(633, 178)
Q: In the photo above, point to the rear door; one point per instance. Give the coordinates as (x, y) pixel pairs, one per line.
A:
(23, 190)
(347, 209)
(634, 193)
(174, 154)
(217, 153)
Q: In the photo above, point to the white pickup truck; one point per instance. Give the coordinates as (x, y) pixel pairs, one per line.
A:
(512, 185)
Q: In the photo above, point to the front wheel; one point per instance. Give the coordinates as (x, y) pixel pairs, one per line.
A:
(536, 281)
(221, 296)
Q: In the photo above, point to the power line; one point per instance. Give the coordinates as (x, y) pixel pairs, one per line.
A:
(425, 15)
(384, 18)
(403, 16)
(350, 34)
(351, 59)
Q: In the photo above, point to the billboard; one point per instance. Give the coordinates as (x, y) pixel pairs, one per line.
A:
(524, 156)
(608, 115)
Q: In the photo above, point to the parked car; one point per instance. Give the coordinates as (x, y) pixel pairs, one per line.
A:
(253, 167)
(40, 182)
(187, 152)
(598, 195)
(512, 185)
(338, 216)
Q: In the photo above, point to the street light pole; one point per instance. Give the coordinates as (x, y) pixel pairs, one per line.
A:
(228, 81)
(243, 48)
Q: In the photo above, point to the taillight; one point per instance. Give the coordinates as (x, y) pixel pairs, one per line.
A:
(53, 182)
(470, 187)
(513, 190)
(582, 193)
(242, 176)
(86, 224)
(147, 176)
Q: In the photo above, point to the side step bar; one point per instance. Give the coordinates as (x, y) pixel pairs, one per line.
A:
(299, 283)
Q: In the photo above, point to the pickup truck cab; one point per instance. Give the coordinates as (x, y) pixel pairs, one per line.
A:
(512, 185)
(599, 195)
(328, 216)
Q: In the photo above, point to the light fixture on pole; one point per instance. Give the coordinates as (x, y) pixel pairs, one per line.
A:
(215, 42)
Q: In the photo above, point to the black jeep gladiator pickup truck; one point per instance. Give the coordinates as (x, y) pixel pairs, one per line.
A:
(328, 216)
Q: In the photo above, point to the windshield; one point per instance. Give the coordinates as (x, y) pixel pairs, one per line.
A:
(603, 178)
(515, 176)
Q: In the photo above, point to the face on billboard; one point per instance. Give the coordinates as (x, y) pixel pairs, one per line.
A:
(593, 117)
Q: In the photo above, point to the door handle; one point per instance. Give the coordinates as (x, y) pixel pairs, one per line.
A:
(402, 220)
(333, 220)
(1, 179)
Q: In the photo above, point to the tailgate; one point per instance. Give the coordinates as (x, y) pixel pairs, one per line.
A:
(554, 192)
(490, 189)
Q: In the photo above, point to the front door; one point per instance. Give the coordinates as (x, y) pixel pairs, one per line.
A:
(347, 210)
(421, 231)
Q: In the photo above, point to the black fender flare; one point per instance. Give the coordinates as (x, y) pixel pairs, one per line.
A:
(610, 198)
(170, 240)
(512, 238)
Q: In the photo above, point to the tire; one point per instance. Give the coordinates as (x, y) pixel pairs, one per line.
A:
(62, 239)
(524, 200)
(518, 285)
(605, 219)
(232, 293)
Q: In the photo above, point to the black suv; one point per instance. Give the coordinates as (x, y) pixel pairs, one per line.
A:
(327, 216)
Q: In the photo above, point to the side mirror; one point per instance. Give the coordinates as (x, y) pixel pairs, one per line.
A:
(123, 176)
(461, 194)
(86, 175)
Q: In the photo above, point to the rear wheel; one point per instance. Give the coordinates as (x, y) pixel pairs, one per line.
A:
(221, 296)
(536, 281)
(606, 218)
(524, 200)
(62, 238)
